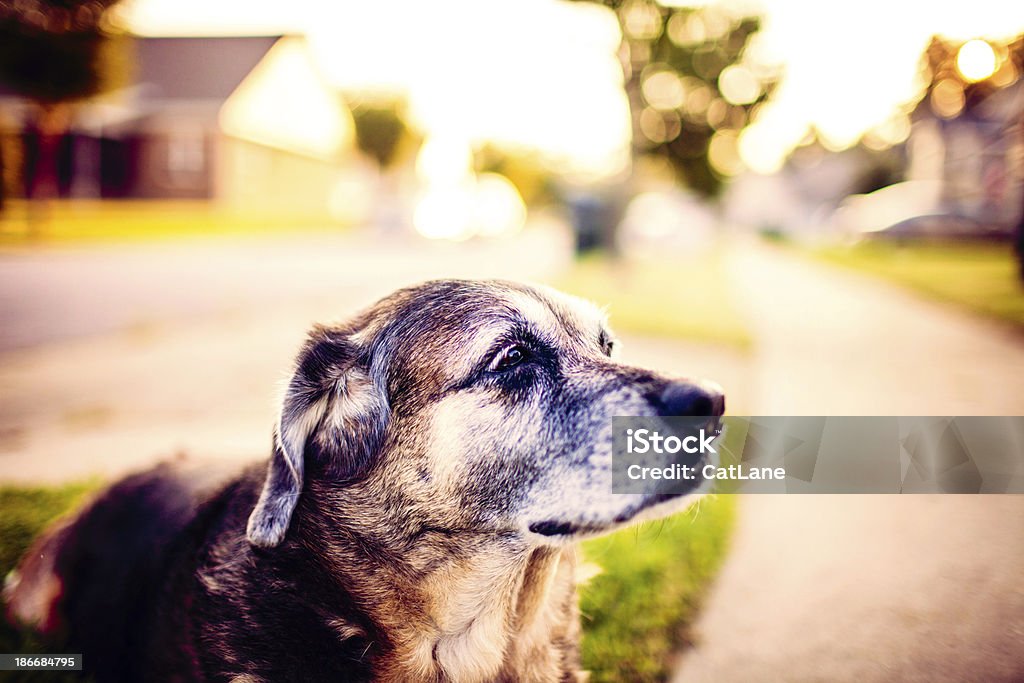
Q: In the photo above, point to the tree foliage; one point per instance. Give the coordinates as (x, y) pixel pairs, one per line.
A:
(691, 85)
(54, 51)
(380, 128)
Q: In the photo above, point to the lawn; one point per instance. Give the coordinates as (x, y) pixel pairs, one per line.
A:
(65, 221)
(677, 296)
(636, 611)
(23, 513)
(977, 277)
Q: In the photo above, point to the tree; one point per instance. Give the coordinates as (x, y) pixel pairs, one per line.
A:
(691, 86)
(54, 52)
(380, 128)
(383, 135)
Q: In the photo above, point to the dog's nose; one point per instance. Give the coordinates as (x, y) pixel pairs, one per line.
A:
(689, 399)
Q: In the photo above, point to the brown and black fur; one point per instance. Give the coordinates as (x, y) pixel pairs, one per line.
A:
(434, 461)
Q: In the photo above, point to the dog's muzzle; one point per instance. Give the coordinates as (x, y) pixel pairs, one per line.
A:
(704, 404)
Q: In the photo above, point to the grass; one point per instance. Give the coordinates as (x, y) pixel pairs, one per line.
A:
(981, 278)
(683, 298)
(635, 612)
(23, 514)
(64, 221)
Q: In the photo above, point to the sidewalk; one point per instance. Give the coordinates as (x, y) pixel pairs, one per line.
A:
(830, 341)
(867, 588)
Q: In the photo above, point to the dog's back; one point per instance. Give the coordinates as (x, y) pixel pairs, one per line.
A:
(96, 579)
(155, 581)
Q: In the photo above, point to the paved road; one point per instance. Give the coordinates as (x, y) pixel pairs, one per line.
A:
(867, 588)
(111, 358)
(63, 293)
(114, 356)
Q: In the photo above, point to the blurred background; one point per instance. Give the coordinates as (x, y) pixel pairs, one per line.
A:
(818, 205)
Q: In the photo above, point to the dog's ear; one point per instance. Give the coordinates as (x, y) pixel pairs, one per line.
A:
(332, 414)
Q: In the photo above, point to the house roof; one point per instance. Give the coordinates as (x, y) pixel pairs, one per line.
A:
(191, 68)
(196, 68)
(262, 89)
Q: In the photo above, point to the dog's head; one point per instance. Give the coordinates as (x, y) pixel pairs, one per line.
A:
(475, 405)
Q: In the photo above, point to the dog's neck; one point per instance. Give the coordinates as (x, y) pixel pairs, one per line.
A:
(495, 614)
(476, 611)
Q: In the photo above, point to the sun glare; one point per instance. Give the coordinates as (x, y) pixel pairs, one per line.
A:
(976, 60)
(456, 203)
(488, 206)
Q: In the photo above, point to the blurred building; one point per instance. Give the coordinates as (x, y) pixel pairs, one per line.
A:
(969, 134)
(239, 119)
(804, 197)
(963, 162)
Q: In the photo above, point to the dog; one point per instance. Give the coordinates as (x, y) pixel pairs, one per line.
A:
(435, 459)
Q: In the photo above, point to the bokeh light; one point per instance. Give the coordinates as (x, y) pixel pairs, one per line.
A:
(487, 207)
(444, 213)
(947, 98)
(976, 60)
(698, 97)
(1005, 75)
(685, 29)
(659, 127)
(757, 149)
(444, 160)
(738, 85)
(716, 112)
(497, 207)
(641, 20)
(663, 89)
(723, 153)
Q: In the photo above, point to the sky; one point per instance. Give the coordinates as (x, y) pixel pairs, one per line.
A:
(543, 73)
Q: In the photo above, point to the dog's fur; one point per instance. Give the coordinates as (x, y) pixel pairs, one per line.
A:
(434, 460)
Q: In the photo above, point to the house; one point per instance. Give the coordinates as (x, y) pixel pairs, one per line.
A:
(977, 156)
(240, 119)
(969, 137)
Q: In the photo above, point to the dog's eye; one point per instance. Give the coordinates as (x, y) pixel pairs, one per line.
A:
(508, 358)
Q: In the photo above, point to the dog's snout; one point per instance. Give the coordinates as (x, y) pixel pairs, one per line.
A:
(689, 399)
